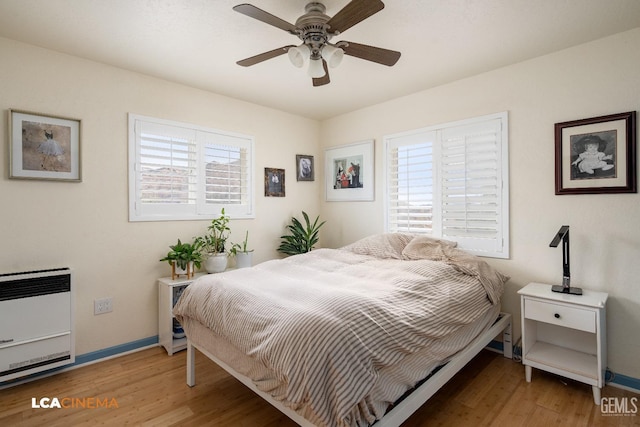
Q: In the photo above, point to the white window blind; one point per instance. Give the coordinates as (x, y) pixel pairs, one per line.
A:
(410, 184)
(451, 181)
(179, 171)
(166, 169)
(225, 171)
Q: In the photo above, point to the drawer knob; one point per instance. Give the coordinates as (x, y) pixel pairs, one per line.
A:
(557, 316)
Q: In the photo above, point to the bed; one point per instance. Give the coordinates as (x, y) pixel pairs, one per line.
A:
(353, 336)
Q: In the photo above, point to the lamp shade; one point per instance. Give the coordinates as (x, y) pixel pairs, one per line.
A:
(333, 55)
(299, 55)
(315, 68)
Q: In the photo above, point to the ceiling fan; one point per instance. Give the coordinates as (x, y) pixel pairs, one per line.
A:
(315, 29)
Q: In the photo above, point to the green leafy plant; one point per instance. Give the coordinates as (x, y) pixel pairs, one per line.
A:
(218, 233)
(183, 253)
(240, 248)
(302, 238)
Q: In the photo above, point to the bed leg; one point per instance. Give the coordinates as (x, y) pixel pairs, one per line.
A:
(507, 344)
(191, 362)
(597, 394)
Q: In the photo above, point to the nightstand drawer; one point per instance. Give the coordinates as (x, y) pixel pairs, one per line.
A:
(570, 317)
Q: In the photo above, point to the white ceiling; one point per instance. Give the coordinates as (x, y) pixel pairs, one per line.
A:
(197, 42)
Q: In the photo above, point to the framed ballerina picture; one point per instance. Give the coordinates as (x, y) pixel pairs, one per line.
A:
(44, 147)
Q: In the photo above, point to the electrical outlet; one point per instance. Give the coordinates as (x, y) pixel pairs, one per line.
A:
(103, 305)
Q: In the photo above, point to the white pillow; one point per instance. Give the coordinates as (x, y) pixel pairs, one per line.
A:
(426, 247)
(386, 245)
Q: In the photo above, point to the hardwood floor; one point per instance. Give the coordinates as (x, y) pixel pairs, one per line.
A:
(149, 389)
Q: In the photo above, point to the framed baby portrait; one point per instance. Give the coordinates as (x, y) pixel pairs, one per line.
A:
(596, 155)
(305, 169)
(43, 147)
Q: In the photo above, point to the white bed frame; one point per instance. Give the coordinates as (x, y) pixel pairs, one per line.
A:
(407, 406)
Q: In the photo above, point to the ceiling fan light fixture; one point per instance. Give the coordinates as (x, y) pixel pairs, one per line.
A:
(333, 55)
(299, 55)
(315, 29)
(316, 69)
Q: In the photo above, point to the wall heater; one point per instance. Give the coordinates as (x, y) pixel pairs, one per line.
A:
(36, 322)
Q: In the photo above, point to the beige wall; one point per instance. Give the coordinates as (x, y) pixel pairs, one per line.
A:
(590, 80)
(85, 225)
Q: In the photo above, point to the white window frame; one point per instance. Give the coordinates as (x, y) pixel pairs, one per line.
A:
(198, 209)
(496, 245)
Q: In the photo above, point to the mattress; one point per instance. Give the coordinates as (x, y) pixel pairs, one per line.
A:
(339, 334)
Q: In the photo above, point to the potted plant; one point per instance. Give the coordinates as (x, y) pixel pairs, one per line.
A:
(242, 254)
(183, 257)
(302, 237)
(213, 244)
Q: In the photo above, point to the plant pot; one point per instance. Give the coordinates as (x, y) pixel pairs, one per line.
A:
(216, 263)
(243, 259)
(177, 271)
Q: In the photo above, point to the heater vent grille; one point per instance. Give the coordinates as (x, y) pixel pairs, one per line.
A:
(37, 363)
(34, 286)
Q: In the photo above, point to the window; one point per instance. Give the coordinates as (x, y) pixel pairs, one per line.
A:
(179, 171)
(451, 181)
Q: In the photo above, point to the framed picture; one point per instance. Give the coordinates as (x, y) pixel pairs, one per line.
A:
(349, 172)
(44, 147)
(273, 182)
(596, 155)
(304, 168)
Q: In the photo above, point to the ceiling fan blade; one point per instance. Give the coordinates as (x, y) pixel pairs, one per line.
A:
(354, 12)
(320, 81)
(259, 14)
(264, 56)
(371, 53)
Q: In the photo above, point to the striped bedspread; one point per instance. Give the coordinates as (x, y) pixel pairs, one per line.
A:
(326, 323)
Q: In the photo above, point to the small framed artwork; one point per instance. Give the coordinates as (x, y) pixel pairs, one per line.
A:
(273, 182)
(44, 147)
(304, 168)
(349, 172)
(596, 155)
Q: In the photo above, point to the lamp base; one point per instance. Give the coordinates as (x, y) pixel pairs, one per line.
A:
(563, 290)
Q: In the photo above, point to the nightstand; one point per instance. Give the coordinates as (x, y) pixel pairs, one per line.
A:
(565, 334)
(170, 333)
